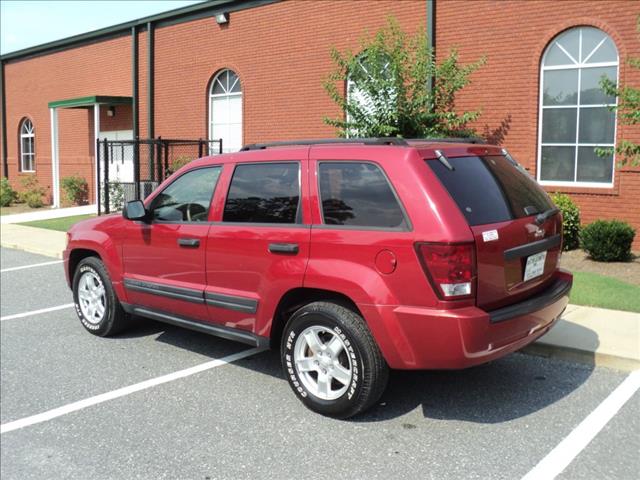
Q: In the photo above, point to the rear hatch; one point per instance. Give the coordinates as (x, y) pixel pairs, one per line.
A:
(516, 227)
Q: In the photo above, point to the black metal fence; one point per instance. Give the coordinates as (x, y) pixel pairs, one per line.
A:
(132, 169)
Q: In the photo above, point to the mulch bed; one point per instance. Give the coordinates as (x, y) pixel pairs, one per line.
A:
(577, 261)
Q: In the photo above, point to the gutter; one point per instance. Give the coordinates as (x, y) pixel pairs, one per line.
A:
(179, 15)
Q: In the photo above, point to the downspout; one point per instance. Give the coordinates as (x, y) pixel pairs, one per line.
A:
(150, 80)
(134, 109)
(5, 160)
(150, 95)
(431, 35)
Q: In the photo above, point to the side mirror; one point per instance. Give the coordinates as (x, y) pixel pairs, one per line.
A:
(134, 210)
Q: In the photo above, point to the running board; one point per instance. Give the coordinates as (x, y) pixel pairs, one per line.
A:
(215, 330)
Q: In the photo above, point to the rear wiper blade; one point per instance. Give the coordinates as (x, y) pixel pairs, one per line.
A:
(443, 160)
(542, 217)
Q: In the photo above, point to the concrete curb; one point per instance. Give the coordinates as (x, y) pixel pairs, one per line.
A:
(582, 356)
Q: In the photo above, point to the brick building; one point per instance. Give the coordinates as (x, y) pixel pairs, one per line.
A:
(255, 73)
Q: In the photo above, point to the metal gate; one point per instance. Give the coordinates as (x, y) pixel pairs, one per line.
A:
(131, 169)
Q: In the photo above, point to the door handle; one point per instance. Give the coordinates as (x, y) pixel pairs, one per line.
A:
(290, 248)
(189, 242)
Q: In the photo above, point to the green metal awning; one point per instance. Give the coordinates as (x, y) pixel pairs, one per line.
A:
(81, 102)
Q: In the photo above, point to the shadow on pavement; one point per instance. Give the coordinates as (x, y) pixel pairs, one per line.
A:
(506, 389)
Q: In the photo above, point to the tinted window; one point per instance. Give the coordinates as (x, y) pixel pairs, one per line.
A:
(358, 194)
(188, 198)
(264, 193)
(491, 189)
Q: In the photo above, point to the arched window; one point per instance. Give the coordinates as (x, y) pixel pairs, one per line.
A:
(575, 114)
(225, 110)
(27, 146)
(362, 89)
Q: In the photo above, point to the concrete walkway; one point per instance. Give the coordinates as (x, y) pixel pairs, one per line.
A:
(35, 240)
(586, 334)
(47, 213)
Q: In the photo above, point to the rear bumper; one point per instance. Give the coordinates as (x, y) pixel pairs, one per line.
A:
(424, 338)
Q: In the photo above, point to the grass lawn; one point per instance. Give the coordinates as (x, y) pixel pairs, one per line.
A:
(596, 290)
(60, 224)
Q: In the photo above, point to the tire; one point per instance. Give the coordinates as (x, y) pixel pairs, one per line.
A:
(332, 361)
(92, 288)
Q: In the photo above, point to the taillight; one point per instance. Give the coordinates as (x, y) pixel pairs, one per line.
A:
(451, 268)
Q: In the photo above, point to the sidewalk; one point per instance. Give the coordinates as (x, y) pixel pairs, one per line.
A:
(596, 336)
(34, 240)
(589, 335)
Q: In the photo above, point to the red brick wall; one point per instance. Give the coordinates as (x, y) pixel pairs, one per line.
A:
(98, 69)
(513, 35)
(281, 53)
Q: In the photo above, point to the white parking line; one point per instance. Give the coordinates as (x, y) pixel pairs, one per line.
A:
(121, 392)
(36, 312)
(12, 269)
(561, 456)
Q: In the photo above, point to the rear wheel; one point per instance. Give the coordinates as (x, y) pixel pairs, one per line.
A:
(332, 361)
(96, 303)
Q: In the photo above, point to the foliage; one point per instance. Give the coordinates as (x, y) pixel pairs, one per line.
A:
(76, 189)
(178, 163)
(32, 192)
(389, 88)
(7, 194)
(570, 220)
(116, 196)
(608, 240)
(628, 108)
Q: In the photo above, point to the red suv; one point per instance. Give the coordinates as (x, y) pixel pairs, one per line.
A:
(350, 256)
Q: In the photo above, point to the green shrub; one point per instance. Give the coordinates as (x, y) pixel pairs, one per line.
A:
(32, 192)
(76, 189)
(7, 194)
(178, 163)
(608, 240)
(570, 220)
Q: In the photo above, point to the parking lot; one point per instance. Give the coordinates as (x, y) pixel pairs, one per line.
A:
(162, 402)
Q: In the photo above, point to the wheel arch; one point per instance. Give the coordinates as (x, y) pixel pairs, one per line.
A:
(294, 299)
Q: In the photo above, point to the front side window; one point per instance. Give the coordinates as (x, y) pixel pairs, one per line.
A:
(575, 114)
(358, 194)
(264, 193)
(188, 198)
(27, 146)
(225, 111)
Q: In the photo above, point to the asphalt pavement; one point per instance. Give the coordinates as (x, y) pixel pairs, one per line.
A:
(162, 402)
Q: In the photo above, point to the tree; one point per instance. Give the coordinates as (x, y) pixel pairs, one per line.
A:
(628, 108)
(389, 92)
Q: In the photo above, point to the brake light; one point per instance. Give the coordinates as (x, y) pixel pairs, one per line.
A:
(450, 268)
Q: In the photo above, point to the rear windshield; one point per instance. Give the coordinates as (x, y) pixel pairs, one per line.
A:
(491, 189)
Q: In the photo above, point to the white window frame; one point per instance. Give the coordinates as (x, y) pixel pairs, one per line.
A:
(228, 95)
(27, 133)
(579, 65)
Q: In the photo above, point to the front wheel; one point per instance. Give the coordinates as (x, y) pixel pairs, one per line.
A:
(332, 361)
(96, 303)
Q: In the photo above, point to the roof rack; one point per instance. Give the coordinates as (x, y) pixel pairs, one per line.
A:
(402, 142)
(325, 141)
(474, 140)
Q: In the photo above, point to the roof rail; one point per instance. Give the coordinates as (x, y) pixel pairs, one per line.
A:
(324, 141)
(474, 140)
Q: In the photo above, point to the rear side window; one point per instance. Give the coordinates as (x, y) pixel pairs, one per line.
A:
(491, 189)
(358, 194)
(264, 193)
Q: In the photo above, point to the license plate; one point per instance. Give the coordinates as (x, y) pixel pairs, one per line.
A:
(535, 266)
